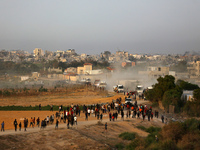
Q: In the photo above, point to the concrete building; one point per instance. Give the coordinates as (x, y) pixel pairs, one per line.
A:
(35, 75)
(194, 69)
(71, 51)
(38, 52)
(158, 71)
(187, 95)
(122, 53)
(71, 77)
(83, 70)
(128, 64)
(57, 70)
(155, 71)
(70, 70)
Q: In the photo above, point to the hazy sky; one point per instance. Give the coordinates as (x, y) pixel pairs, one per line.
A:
(94, 26)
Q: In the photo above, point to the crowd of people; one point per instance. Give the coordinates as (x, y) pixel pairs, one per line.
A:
(69, 115)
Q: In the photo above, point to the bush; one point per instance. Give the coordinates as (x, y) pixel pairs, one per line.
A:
(168, 145)
(128, 136)
(150, 129)
(137, 143)
(41, 89)
(141, 127)
(153, 129)
(6, 93)
(191, 125)
(119, 146)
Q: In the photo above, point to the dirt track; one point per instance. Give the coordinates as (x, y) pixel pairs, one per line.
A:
(86, 135)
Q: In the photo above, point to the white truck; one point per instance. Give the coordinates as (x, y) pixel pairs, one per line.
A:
(139, 89)
(118, 88)
(102, 84)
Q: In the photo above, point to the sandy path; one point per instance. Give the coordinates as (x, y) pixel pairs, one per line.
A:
(92, 120)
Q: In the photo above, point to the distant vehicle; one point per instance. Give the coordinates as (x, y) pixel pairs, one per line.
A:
(128, 101)
(118, 88)
(139, 89)
(96, 83)
(102, 84)
(85, 81)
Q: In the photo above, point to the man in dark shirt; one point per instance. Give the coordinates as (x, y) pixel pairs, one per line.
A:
(15, 124)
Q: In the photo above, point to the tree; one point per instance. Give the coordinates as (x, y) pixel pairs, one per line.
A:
(162, 86)
(186, 85)
(172, 97)
(107, 54)
(196, 95)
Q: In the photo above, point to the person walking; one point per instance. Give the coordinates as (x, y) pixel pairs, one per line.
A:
(86, 115)
(162, 117)
(110, 116)
(20, 125)
(101, 116)
(51, 108)
(38, 121)
(2, 126)
(40, 107)
(75, 120)
(25, 124)
(56, 127)
(106, 126)
(15, 124)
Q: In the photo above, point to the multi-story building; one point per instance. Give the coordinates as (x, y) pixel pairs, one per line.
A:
(38, 52)
(86, 68)
(194, 69)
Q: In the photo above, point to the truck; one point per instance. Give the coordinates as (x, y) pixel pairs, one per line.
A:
(102, 84)
(128, 101)
(139, 89)
(118, 88)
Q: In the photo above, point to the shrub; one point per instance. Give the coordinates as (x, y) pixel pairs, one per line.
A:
(153, 129)
(141, 127)
(173, 131)
(189, 141)
(150, 129)
(128, 136)
(191, 125)
(168, 145)
(6, 93)
(41, 89)
(137, 143)
(119, 146)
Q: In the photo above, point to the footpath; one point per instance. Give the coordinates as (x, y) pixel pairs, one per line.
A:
(79, 125)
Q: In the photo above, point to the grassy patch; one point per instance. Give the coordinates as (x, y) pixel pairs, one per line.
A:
(128, 135)
(150, 129)
(141, 128)
(119, 146)
(153, 129)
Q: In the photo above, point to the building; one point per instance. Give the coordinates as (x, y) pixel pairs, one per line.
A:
(86, 68)
(35, 75)
(155, 71)
(57, 70)
(128, 64)
(70, 70)
(71, 51)
(187, 95)
(158, 71)
(194, 69)
(38, 52)
(122, 53)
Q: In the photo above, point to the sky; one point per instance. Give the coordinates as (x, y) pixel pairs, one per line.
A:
(95, 26)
